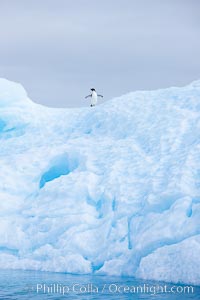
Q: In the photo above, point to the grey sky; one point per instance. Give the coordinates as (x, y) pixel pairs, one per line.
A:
(59, 49)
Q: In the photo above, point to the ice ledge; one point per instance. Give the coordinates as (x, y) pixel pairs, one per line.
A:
(12, 94)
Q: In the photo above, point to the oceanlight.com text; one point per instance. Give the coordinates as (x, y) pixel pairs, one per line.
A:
(112, 288)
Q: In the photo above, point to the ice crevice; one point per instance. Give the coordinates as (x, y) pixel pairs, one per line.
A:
(60, 165)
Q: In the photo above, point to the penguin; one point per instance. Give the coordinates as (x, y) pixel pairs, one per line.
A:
(94, 96)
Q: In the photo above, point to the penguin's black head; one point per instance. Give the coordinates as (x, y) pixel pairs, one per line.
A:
(92, 89)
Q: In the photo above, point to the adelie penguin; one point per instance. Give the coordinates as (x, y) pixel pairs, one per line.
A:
(94, 97)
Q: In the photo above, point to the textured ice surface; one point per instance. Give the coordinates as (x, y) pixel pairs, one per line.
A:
(113, 189)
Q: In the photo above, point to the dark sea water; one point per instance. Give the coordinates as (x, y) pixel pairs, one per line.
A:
(45, 285)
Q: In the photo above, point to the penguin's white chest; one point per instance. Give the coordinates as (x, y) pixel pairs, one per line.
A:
(94, 98)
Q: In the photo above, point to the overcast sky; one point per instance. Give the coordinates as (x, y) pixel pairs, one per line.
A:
(59, 49)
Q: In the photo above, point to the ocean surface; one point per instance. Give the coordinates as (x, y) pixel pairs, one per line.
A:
(17, 284)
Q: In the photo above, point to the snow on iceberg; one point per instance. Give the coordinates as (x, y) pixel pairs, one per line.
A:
(110, 190)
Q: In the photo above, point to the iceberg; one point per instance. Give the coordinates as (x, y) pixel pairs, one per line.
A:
(112, 190)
